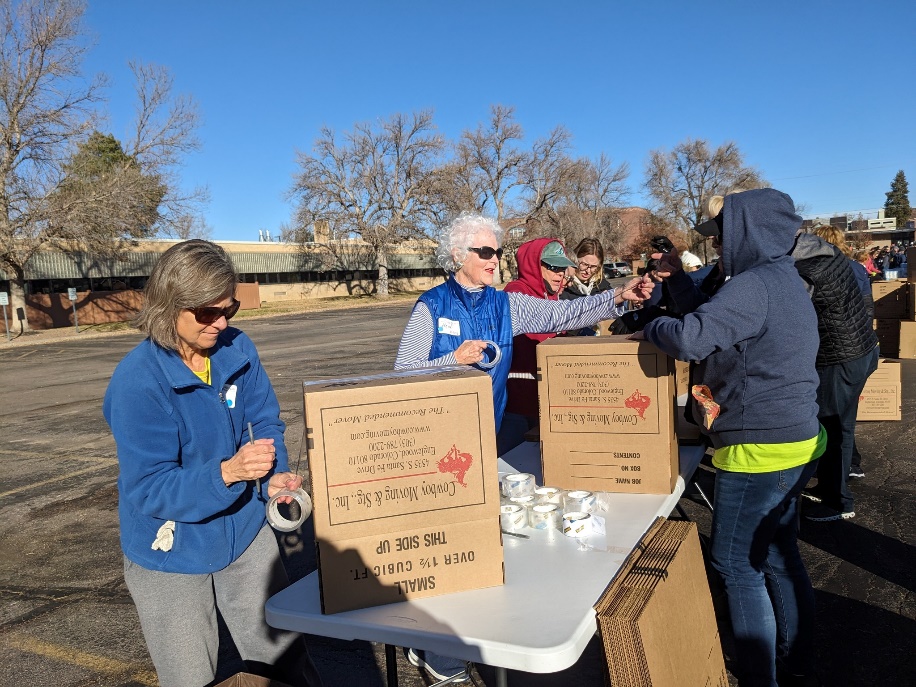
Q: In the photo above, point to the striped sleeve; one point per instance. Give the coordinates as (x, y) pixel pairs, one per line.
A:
(417, 342)
(532, 315)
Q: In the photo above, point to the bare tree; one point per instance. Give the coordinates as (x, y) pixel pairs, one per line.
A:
(680, 180)
(43, 108)
(587, 207)
(379, 184)
(53, 192)
(164, 132)
(547, 174)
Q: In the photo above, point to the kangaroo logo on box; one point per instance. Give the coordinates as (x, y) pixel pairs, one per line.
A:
(639, 403)
(456, 463)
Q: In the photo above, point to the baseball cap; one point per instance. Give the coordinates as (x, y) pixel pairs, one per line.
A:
(554, 255)
(711, 227)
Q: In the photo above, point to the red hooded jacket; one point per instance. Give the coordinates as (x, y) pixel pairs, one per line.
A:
(523, 392)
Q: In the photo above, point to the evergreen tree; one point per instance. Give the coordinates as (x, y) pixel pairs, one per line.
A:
(898, 200)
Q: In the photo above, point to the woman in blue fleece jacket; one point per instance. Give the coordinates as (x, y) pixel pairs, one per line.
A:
(193, 527)
(753, 343)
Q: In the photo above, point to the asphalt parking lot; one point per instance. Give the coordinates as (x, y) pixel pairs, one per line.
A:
(66, 618)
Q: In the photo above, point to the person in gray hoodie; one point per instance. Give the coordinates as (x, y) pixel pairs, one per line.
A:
(752, 338)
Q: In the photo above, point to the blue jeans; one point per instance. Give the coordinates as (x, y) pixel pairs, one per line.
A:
(754, 548)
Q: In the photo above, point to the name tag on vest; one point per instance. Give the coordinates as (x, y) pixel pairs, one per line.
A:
(447, 326)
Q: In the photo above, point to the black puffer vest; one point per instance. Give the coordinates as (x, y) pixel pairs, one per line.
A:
(843, 322)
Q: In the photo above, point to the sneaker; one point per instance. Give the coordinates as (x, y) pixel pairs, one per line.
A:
(821, 513)
(810, 496)
(856, 471)
(440, 667)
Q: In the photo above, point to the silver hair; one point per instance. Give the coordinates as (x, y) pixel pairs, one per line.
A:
(455, 239)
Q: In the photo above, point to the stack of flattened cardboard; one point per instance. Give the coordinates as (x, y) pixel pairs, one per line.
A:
(404, 484)
(657, 620)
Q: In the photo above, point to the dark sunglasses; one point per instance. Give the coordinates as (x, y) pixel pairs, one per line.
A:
(552, 268)
(209, 315)
(487, 253)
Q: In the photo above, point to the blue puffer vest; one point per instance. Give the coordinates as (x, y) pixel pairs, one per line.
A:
(481, 315)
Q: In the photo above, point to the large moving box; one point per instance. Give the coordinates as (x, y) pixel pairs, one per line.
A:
(888, 332)
(881, 397)
(404, 484)
(607, 415)
(656, 619)
(907, 347)
(897, 338)
(891, 299)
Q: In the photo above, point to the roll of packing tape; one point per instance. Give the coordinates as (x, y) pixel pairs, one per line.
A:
(512, 518)
(579, 501)
(544, 516)
(279, 521)
(549, 495)
(519, 484)
(577, 525)
(497, 354)
(526, 502)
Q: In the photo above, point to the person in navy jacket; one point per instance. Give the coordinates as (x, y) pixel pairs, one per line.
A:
(192, 487)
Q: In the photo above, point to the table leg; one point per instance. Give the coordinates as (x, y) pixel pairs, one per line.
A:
(502, 677)
(391, 665)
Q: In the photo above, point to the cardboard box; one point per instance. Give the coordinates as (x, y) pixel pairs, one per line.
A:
(881, 398)
(891, 299)
(681, 377)
(404, 485)
(888, 332)
(607, 415)
(656, 619)
(907, 348)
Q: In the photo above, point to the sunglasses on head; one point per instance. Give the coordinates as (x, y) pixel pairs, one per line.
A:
(487, 253)
(208, 314)
(553, 268)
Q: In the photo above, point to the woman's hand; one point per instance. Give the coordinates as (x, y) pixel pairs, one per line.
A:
(668, 264)
(470, 352)
(252, 461)
(283, 481)
(636, 290)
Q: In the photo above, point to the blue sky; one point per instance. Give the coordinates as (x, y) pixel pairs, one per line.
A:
(818, 95)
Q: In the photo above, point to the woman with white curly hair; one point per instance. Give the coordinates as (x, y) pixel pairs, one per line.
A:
(459, 321)
(466, 321)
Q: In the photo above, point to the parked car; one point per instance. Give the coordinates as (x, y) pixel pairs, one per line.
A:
(612, 270)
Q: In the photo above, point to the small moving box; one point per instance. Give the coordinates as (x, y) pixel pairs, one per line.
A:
(880, 399)
(404, 485)
(656, 619)
(607, 415)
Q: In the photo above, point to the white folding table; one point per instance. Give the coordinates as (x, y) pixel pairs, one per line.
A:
(539, 621)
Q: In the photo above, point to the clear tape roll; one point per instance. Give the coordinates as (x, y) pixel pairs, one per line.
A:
(512, 518)
(525, 502)
(498, 354)
(580, 501)
(544, 516)
(549, 495)
(280, 522)
(519, 484)
(577, 525)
